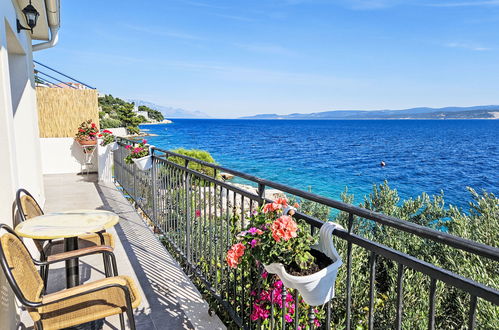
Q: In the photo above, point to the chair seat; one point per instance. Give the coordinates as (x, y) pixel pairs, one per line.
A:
(84, 241)
(88, 307)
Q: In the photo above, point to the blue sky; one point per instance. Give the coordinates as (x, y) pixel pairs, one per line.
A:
(232, 58)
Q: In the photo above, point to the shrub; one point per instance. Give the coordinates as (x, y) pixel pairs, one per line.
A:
(197, 154)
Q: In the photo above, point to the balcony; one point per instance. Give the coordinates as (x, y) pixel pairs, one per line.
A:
(170, 300)
(176, 225)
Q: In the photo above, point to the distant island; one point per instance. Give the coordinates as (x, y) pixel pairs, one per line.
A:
(476, 112)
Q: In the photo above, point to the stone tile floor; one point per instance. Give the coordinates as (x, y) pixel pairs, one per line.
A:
(169, 299)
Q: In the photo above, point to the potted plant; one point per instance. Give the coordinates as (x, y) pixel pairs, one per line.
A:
(108, 139)
(286, 248)
(87, 133)
(140, 155)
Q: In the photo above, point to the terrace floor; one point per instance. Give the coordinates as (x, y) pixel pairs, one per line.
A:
(169, 299)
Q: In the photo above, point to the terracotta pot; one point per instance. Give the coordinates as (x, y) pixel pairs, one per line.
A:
(318, 288)
(87, 142)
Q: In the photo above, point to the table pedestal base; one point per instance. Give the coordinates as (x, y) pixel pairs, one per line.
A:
(72, 271)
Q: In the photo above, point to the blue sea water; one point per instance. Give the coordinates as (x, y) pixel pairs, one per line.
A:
(328, 155)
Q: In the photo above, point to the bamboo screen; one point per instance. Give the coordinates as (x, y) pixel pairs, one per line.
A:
(62, 110)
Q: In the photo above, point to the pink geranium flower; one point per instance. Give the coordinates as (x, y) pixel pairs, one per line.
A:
(234, 255)
(284, 228)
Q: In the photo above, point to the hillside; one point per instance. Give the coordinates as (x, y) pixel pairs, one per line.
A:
(476, 112)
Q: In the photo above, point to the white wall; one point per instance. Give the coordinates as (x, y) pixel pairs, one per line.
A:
(63, 155)
(20, 162)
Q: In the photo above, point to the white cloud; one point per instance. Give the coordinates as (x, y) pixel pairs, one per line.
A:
(466, 3)
(466, 46)
(160, 31)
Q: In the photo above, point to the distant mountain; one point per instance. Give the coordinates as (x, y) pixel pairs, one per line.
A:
(476, 112)
(170, 112)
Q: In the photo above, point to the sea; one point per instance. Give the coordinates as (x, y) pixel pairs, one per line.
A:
(329, 156)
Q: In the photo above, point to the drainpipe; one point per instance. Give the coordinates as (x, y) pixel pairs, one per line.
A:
(53, 16)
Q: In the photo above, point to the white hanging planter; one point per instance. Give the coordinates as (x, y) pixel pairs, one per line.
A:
(144, 163)
(114, 146)
(318, 288)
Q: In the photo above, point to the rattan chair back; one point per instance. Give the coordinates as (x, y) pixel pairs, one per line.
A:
(27, 205)
(20, 269)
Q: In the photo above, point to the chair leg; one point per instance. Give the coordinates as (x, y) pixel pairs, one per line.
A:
(122, 321)
(38, 325)
(107, 268)
(131, 318)
(45, 278)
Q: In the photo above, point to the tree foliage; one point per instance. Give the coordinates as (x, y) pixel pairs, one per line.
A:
(197, 154)
(115, 112)
(479, 223)
(153, 114)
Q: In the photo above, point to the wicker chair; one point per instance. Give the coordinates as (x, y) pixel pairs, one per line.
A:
(28, 208)
(81, 304)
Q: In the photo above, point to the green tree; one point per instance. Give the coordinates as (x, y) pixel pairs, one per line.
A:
(197, 154)
(114, 110)
(153, 114)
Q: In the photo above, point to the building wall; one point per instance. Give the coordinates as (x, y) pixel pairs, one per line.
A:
(20, 161)
(65, 155)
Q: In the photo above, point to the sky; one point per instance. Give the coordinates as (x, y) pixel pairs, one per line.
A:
(230, 58)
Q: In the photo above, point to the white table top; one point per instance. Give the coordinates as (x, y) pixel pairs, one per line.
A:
(67, 224)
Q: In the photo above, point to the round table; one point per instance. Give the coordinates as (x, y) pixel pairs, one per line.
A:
(67, 225)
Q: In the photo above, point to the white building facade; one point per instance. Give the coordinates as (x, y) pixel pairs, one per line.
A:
(20, 157)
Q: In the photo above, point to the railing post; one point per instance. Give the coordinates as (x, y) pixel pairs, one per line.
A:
(154, 189)
(349, 275)
(188, 216)
(284, 309)
(261, 194)
(134, 186)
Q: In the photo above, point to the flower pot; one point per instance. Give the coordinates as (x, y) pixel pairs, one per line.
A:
(318, 288)
(87, 142)
(143, 163)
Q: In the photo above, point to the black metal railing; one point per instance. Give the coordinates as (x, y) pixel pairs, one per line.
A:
(51, 77)
(198, 215)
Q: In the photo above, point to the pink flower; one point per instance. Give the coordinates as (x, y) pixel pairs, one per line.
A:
(198, 213)
(252, 230)
(259, 312)
(239, 249)
(265, 274)
(288, 318)
(282, 201)
(128, 146)
(232, 259)
(284, 228)
(144, 141)
(137, 150)
(234, 255)
(271, 207)
(253, 243)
